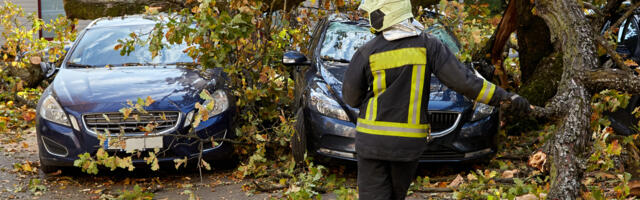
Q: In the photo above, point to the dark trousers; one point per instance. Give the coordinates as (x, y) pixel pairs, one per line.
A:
(380, 179)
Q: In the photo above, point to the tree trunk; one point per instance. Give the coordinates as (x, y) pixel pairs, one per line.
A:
(540, 67)
(571, 31)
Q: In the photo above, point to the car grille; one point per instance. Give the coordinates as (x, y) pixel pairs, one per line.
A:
(443, 123)
(130, 126)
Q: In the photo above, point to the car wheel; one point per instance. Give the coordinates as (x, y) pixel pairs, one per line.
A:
(47, 169)
(299, 139)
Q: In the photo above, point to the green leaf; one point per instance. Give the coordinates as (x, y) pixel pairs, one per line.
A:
(206, 95)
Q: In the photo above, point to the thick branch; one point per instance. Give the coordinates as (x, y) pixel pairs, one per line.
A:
(612, 79)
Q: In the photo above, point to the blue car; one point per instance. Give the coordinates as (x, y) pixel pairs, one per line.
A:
(94, 82)
(462, 130)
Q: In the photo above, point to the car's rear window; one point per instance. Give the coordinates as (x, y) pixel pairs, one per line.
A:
(96, 48)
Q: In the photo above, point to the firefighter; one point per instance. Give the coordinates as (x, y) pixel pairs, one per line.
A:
(388, 79)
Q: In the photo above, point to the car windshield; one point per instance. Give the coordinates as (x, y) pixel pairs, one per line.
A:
(342, 39)
(96, 49)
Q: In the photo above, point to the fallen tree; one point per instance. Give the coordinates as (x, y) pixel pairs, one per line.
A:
(573, 39)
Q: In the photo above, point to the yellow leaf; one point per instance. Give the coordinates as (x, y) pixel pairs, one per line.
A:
(630, 63)
(149, 101)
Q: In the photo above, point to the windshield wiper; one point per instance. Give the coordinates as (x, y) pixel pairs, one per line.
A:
(133, 64)
(336, 60)
(78, 65)
(182, 63)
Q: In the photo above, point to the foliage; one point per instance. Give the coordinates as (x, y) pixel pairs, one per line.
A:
(136, 194)
(473, 25)
(36, 186)
(346, 193)
(482, 185)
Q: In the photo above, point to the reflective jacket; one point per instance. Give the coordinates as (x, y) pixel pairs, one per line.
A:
(390, 80)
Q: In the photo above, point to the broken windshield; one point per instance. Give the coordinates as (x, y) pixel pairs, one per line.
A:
(96, 48)
(342, 39)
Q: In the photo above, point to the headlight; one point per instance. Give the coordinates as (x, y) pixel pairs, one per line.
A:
(220, 102)
(52, 111)
(327, 106)
(188, 119)
(482, 111)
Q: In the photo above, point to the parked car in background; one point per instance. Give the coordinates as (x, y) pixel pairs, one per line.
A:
(462, 130)
(623, 121)
(94, 82)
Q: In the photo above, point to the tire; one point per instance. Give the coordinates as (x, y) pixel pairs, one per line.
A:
(299, 139)
(47, 169)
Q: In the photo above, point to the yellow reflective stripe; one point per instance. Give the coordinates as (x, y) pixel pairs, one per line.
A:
(486, 93)
(393, 124)
(369, 108)
(415, 99)
(481, 93)
(392, 128)
(398, 58)
(493, 89)
(374, 111)
(379, 85)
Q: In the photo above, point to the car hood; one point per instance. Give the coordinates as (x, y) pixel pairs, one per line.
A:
(441, 97)
(107, 90)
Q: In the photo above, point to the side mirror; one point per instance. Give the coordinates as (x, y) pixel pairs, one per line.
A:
(49, 69)
(294, 58)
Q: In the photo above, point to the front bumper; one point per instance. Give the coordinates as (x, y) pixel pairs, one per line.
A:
(60, 145)
(335, 138)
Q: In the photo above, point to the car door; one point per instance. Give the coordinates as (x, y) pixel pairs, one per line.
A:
(628, 38)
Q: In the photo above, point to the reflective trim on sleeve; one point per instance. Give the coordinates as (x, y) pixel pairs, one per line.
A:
(392, 128)
(415, 100)
(398, 58)
(486, 93)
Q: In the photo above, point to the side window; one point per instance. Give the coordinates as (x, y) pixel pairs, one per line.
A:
(630, 36)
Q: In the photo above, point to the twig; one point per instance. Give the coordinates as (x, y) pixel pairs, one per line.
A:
(274, 187)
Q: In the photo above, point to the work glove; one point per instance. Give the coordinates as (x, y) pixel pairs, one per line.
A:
(518, 104)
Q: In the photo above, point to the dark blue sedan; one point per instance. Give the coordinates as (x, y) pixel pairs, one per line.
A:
(94, 82)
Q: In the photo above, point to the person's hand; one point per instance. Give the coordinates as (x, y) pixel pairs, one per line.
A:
(519, 104)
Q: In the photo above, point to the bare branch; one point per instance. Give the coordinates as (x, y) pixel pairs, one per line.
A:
(612, 79)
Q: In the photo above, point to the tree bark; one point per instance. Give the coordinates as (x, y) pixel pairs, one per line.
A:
(570, 29)
(539, 66)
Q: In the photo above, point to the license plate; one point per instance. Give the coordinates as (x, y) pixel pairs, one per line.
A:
(133, 144)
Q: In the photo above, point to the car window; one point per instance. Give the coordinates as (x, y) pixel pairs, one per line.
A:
(630, 34)
(342, 39)
(439, 32)
(96, 48)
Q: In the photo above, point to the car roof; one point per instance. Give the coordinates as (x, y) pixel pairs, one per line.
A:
(127, 20)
